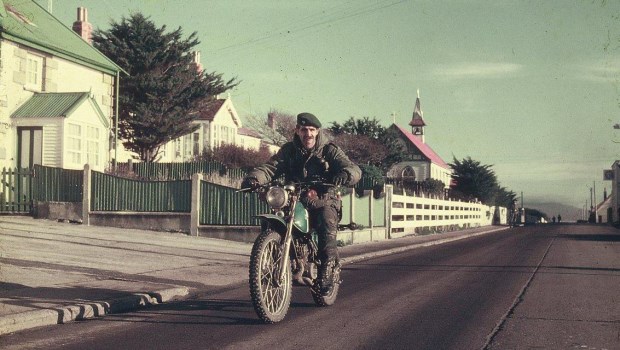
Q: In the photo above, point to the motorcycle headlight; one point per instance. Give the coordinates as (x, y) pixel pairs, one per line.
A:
(276, 197)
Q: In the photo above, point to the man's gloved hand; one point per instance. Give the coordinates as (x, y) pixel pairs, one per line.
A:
(341, 178)
(249, 182)
(308, 202)
(311, 200)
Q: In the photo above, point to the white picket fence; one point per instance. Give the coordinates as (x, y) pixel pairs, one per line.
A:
(406, 215)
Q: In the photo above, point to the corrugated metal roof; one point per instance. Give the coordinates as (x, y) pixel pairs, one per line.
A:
(50, 105)
(25, 22)
(57, 105)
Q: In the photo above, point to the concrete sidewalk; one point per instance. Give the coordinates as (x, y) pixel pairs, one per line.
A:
(53, 272)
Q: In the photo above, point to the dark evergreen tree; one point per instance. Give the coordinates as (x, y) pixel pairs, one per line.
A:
(474, 180)
(366, 141)
(364, 126)
(504, 197)
(164, 91)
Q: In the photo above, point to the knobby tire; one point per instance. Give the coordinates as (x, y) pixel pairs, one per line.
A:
(271, 299)
(330, 299)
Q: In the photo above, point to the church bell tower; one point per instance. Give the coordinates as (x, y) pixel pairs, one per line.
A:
(417, 121)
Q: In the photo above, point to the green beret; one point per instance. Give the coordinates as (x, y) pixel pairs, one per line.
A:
(308, 119)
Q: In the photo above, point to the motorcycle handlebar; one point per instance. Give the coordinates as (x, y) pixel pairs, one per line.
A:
(301, 183)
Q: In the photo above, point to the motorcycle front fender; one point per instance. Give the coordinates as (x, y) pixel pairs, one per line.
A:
(276, 222)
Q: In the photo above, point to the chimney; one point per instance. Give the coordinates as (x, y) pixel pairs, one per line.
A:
(81, 26)
(196, 61)
(271, 120)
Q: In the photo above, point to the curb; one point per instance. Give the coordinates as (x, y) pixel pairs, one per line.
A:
(64, 314)
(380, 253)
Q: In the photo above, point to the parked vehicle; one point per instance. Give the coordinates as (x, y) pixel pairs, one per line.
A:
(285, 253)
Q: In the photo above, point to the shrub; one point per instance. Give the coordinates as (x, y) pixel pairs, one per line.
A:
(236, 157)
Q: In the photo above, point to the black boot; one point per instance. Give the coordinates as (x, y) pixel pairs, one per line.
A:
(326, 277)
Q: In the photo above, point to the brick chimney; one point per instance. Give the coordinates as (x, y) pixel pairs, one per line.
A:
(271, 120)
(81, 26)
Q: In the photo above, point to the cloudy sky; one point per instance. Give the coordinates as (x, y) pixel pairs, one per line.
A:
(531, 87)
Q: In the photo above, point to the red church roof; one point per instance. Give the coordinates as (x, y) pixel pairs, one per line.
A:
(424, 148)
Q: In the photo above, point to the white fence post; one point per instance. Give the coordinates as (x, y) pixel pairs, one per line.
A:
(389, 191)
(195, 212)
(371, 210)
(86, 194)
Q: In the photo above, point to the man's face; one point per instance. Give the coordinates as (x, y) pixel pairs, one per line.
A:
(307, 135)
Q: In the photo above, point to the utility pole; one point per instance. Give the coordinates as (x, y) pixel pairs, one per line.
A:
(591, 205)
(595, 205)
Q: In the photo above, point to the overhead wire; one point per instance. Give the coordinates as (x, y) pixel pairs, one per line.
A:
(291, 32)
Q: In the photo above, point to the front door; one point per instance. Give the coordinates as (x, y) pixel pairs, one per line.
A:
(30, 146)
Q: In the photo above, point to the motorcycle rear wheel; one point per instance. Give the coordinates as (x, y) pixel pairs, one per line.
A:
(270, 296)
(330, 299)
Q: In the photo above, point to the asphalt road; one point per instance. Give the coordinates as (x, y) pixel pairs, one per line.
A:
(550, 287)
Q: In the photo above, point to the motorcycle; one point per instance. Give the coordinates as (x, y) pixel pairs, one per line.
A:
(285, 253)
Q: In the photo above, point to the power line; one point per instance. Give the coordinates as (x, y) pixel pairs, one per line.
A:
(316, 20)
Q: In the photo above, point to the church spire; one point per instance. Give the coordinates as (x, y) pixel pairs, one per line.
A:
(417, 121)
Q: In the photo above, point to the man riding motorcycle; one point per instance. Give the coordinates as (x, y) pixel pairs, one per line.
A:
(310, 156)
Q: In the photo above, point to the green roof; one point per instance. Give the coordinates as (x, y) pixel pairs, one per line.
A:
(27, 23)
(56, 105)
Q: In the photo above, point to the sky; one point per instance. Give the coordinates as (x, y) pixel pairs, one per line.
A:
(529, 87)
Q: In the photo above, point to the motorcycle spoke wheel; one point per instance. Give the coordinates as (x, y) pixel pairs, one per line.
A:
(271, 296)
(330, 299)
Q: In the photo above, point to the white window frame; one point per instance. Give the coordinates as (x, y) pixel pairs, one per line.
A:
(74, 143)
(177, 148)
(187, 146)
(92, 142)
(34, 71)
(196, 143)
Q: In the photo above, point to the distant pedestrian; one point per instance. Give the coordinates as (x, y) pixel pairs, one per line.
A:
(559, 218)
(553, 219)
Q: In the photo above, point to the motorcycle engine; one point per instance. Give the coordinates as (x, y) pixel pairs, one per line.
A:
(312, 270)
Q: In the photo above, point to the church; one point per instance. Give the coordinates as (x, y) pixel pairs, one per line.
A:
(423, 162)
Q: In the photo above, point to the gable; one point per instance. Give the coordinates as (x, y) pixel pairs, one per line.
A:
(424, 149)
(223, 111)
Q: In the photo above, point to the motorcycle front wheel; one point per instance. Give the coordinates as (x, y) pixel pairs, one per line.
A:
(271, 296)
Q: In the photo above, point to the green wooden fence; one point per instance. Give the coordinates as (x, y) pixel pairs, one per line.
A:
(112, 193)
(16, 191)
(178, 171)
(221, 205)
(57, 184)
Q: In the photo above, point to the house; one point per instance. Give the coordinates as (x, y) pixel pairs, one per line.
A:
(57, 92)
(424, 163)
(218, 125)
